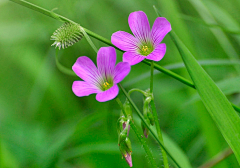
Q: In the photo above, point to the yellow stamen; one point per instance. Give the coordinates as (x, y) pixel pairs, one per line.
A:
(145, 48)
(106, 84)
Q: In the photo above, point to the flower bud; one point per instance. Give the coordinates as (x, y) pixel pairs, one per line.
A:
(123, 128)
(126, 150)
(144, 127)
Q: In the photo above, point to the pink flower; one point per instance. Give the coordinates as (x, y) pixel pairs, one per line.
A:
(145, 44)
(102, 80)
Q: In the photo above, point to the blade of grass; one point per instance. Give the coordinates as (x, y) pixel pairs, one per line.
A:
(226, 21)
(228, 86)
(214, 100)
(218, 33)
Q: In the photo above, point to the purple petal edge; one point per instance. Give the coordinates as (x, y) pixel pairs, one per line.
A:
(85, 69)
(124, 41)
(121, 71)
(138, 23)
(108, 94)
(81, 88)
(132, 58)
(159, 30)
(158, 53)
(106, 60)
(128, 158)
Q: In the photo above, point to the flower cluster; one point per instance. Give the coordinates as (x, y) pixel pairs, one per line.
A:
(103, 79)
(146, 44)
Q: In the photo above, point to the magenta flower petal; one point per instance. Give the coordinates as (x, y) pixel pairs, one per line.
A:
(124, 41)
(138, 23)
(158, 53)
(108, 94)
(106, 59)
(159, 30)
(85, 69)
(121, 71)
(132, 58)
(81, 88)
(129, 159)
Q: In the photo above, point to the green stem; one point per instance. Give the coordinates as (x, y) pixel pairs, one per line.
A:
(106, 41)
(170, 73)
(164, 155)
(145, 122)
(136, 90)
(154, 111)
(139, 136)
(218, 158)
(151, 78)
(62, 68)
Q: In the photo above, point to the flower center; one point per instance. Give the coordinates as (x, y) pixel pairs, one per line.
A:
(106, 86)
(145, 50)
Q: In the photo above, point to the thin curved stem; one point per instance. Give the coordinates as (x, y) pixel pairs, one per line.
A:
(136, 90)
(61, 67)
(218, 158)
(154, 111)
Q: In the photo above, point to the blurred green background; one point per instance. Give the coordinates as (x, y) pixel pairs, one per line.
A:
(43, 124)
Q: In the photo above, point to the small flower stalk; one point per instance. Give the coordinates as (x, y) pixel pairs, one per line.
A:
(67, 35)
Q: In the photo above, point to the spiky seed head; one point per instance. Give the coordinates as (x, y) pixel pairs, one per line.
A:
(67, 35)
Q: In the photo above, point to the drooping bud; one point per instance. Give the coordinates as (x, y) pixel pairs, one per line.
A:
(126, 150)
(144, 127)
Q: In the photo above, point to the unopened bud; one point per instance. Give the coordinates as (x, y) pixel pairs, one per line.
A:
(126, 150)
(144, 127)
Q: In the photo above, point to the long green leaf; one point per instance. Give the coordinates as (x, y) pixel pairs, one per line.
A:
(218, 33)
(214, 100)
(228, 86)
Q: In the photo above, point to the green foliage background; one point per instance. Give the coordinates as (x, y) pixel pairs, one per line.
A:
(43, 124)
